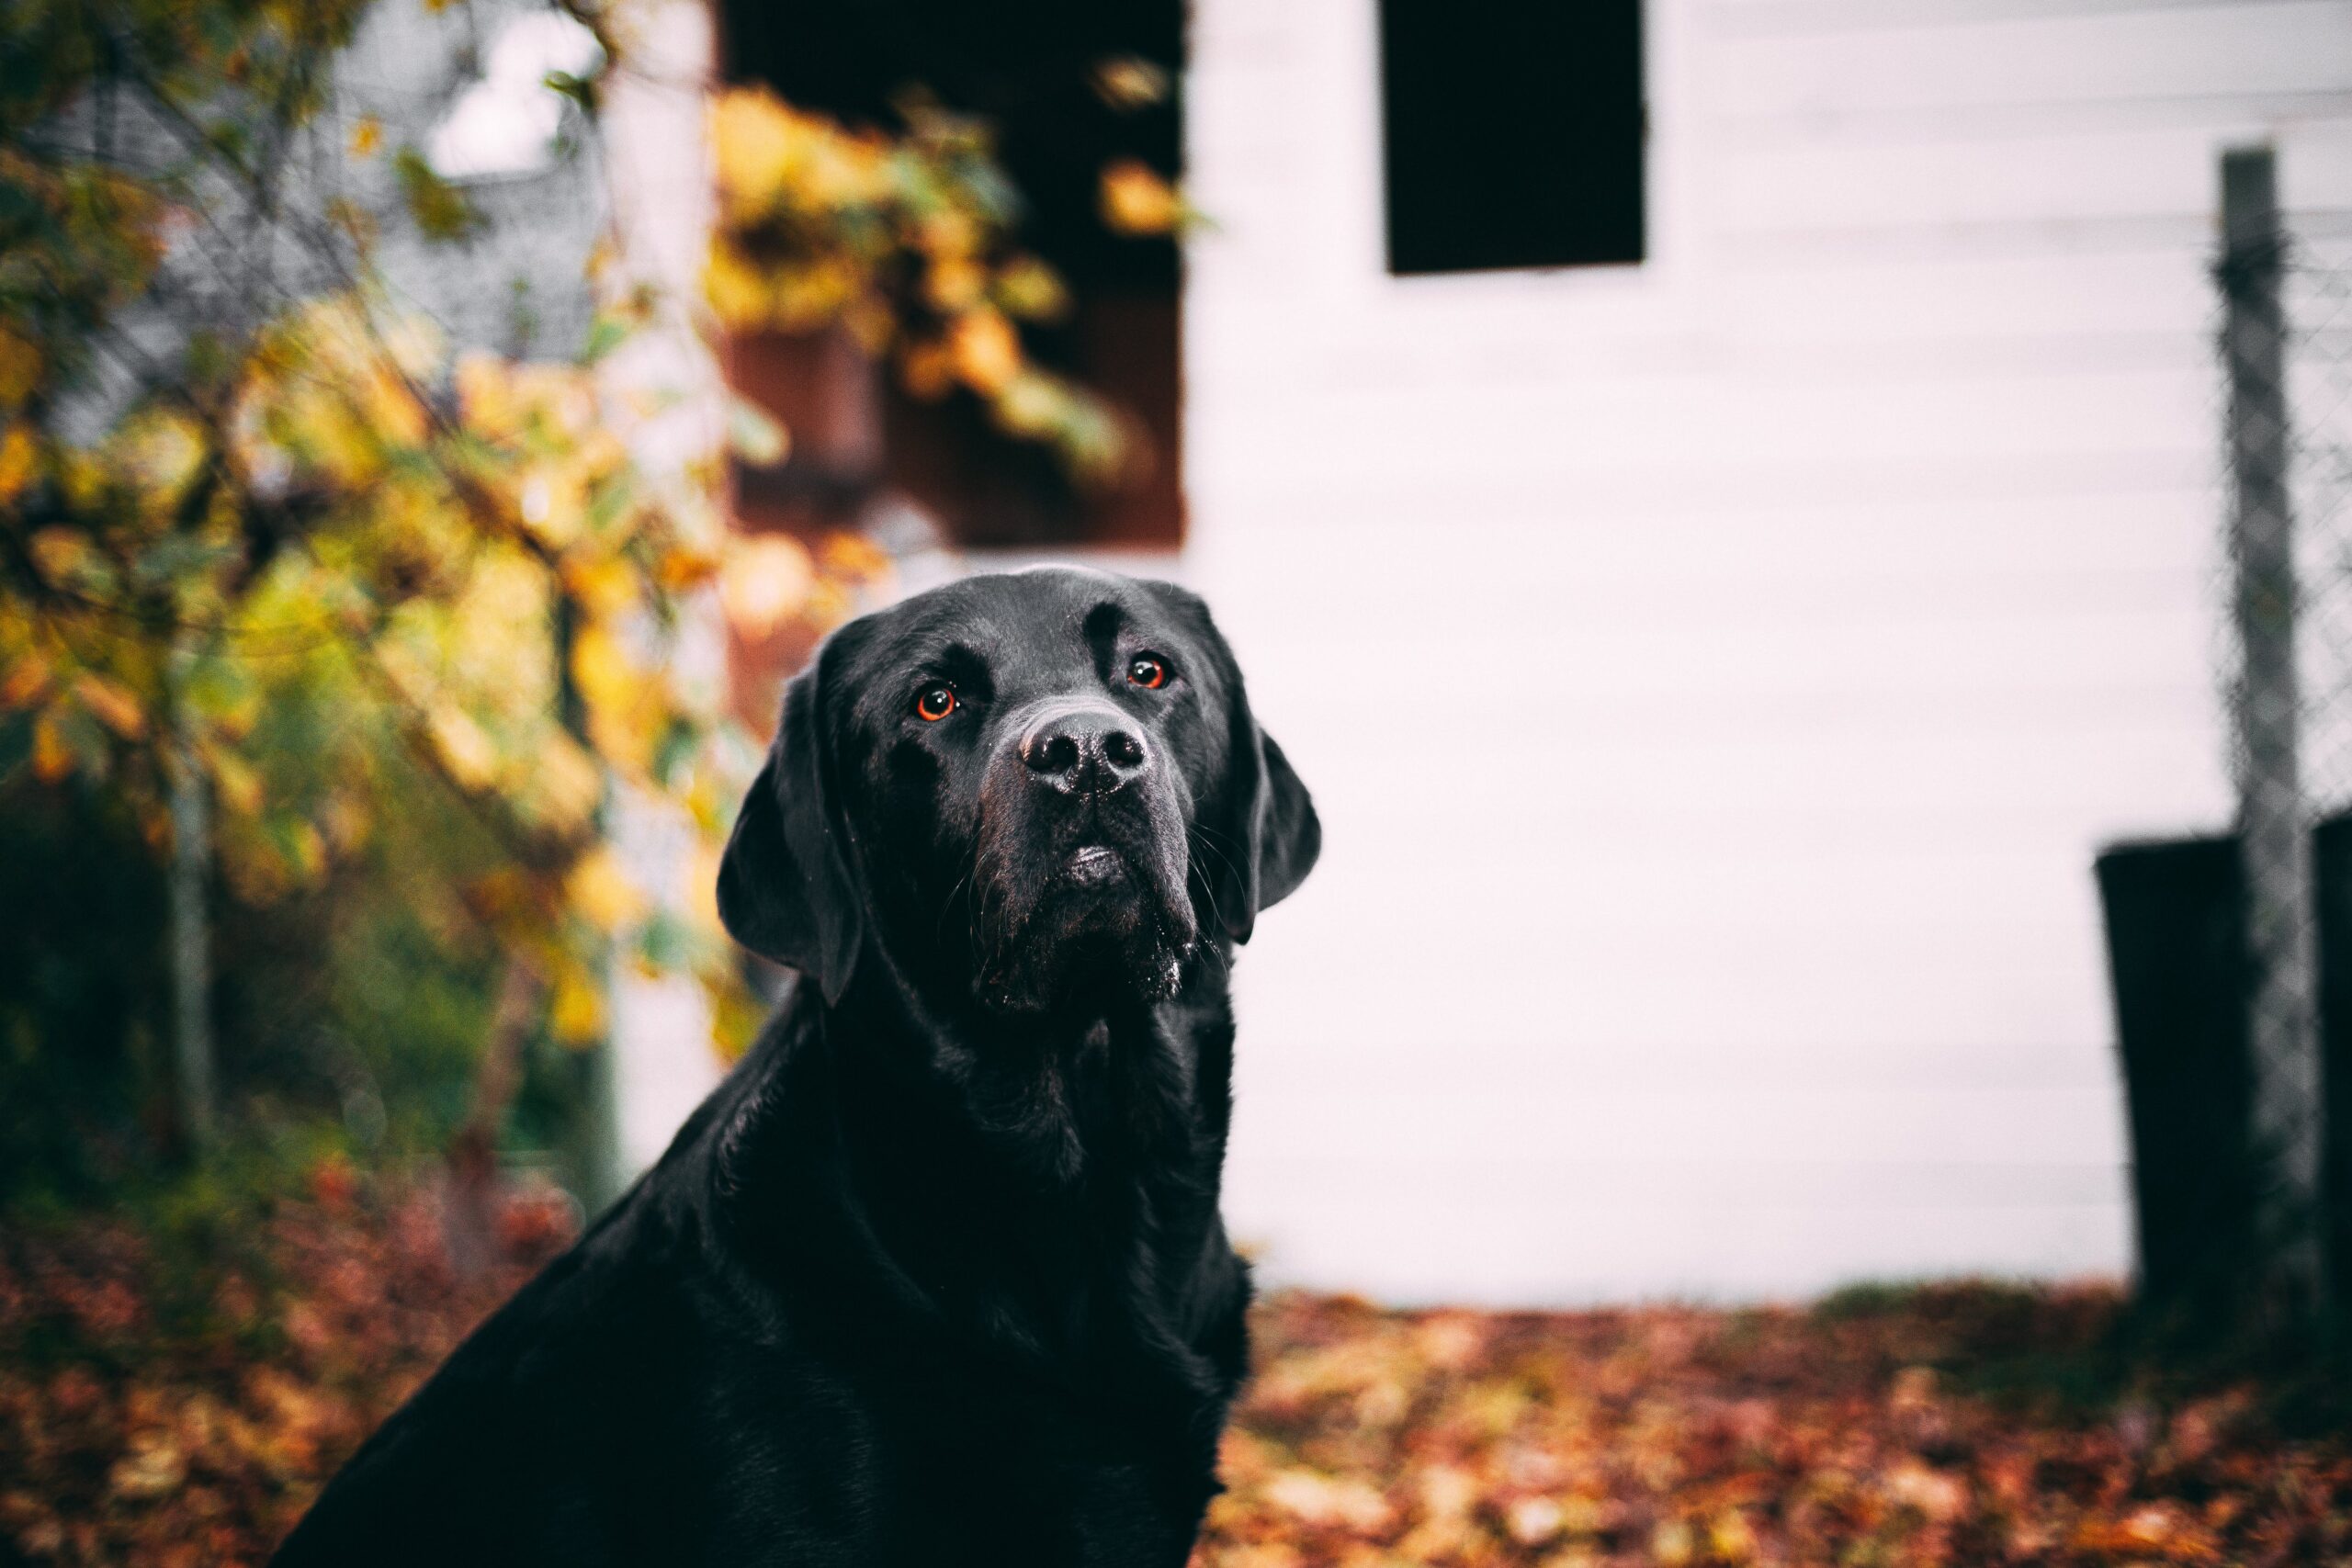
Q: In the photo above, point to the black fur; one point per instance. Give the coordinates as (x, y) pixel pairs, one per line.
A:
(937, 1276)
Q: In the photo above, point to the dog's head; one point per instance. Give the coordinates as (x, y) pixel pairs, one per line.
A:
(1037, 793)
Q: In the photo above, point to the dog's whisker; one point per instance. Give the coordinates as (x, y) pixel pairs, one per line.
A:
(948, 903)
(1209, 943)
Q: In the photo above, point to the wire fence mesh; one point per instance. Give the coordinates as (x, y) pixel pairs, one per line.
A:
(2286, 357)
(2316, 292)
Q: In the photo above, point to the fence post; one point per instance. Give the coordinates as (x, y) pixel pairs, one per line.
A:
(191, 926)
(2283, 1030)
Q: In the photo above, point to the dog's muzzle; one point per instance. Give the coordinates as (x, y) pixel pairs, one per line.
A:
(1083, 861)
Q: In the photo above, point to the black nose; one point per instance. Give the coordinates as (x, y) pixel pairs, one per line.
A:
(1089, 751)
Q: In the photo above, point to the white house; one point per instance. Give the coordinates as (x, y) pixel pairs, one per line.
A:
(1717, 675)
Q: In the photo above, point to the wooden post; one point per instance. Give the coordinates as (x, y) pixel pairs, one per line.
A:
(2281, 1023)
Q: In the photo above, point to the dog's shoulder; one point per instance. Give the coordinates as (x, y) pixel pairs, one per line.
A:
(571, 1374)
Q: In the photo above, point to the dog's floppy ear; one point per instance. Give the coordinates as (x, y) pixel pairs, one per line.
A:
(1271, 834)
(1286, 836)
(785, 888)
(1280, 834)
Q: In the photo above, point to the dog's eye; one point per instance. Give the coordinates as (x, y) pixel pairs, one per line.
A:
(934, 703)
(1147, 670)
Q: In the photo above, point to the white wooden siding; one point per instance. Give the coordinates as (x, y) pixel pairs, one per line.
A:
(1716, 677)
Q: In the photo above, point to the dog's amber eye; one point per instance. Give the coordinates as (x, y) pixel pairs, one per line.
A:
(934, 703)
(1147, 670)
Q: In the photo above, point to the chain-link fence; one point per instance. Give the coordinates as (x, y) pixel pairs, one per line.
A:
(2286, 357)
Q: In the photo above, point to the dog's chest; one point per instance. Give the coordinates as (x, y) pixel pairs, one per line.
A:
(949, 1471)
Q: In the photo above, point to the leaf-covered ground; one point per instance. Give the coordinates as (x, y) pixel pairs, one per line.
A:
(178, 1401)
(175, 1403)
(1961, 1424)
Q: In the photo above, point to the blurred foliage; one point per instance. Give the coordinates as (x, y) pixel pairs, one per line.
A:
(407, 618)
(908, 243)
(404, 616)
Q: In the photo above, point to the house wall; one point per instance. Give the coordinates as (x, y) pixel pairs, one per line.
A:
(1716, 677)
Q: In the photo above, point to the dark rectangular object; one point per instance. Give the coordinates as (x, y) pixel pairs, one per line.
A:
(2176, 944)
(1514, 133)
(2332, 871)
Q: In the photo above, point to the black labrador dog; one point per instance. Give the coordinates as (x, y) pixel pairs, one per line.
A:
(937, 1276)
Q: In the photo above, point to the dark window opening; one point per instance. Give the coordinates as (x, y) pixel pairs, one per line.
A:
(1514, 133)
(1027, 66)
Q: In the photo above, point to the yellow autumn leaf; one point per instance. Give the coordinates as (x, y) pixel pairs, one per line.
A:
(765, 582)
(60, 552)
(1136, 200)
(234, 780)
(576, 1012)
(115, 708)
(602, 892)
(735, 1021)
(1030, 290)
(753, 144)
(955, 284)
(19, 369)
(1033, 404)
(27, 677)
(847, 554)
(603, 669)
(390, 408)
(699, 889)
(737, 290)
(985, 349)
(1128, 81)
(19, 457)
(686, 566)
(53, 757)
(486, 401)
(367, 136)
(605, 586)
(946, 233)
(465, 747)
(160, 455)
(570, 785)
(812, 296)
(928, 369)
(551, 504)
(306, 850)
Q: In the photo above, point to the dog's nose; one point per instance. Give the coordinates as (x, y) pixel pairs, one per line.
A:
(1089, 751)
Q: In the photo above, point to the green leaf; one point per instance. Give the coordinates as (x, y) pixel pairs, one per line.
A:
(605, 333)
(752, 433)
(579, 89)
(441, 210)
